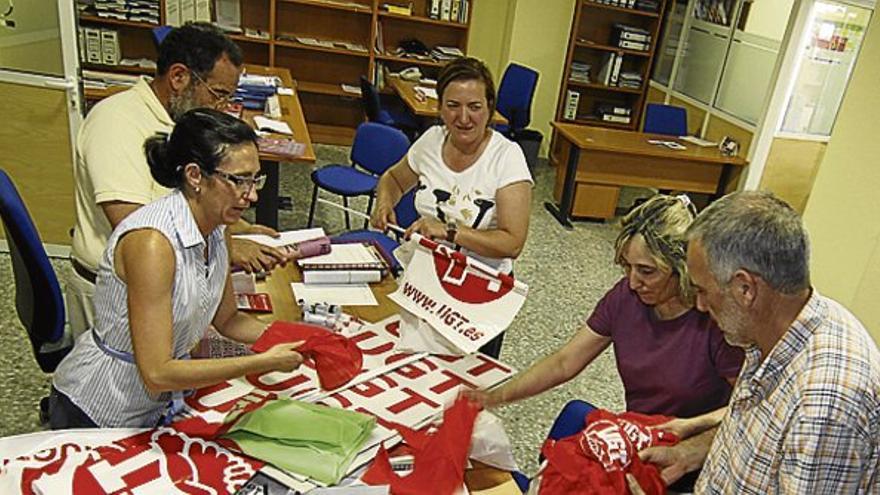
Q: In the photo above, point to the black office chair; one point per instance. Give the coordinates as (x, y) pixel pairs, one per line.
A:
(38, 300)
(375, 112)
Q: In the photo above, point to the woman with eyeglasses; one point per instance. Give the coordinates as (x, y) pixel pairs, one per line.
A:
(162, 280)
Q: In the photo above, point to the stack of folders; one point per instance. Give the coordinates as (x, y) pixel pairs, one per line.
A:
(609, 74)
(580, 72)
(611, 112)
(631, 37)
(648, 5)
(350, 263)
(630, 79)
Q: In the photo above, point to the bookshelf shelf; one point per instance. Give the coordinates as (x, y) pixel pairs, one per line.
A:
(608, 48)
(595, 5)
(322, 89)
(325, 49)
(422, 20)
(116, 22)
(343, 6)
(408, 60)
(332, 114)
(123, 69)
(247, 39)
(604, 87)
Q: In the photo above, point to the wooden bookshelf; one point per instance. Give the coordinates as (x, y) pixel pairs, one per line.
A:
(592, 41)
(332, 114)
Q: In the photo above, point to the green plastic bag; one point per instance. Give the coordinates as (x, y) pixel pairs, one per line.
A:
(308, 439)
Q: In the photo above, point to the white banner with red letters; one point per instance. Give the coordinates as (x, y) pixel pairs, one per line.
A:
(467, 302)
(410, 389)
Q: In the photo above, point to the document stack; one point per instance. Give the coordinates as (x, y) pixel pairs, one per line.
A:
(632, 80)
(127, 10)
(609, 75)
(614, 113)
(445, 54)
(353, 263)
(580, 72)
(648, 5)
(631, 38)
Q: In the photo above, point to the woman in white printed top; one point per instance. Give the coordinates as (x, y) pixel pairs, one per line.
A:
(473, 187)
(163, 279)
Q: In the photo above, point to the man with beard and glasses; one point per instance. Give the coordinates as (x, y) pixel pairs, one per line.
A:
(198, 66)
(804, 416)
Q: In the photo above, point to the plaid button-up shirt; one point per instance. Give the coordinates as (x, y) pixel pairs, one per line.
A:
(806, 420)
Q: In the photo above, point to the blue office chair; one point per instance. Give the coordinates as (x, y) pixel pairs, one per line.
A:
(375, 112)
(159, 34)
(515, 94)
(38, 300)
(406, 214)
(376, 147)
(665, 119)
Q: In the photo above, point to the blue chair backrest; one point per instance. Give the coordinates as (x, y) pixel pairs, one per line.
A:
(370, 100)
(665, 119)
(377, 147)
(405, 210)
(159, 34)
(37, 293)
(515, 95)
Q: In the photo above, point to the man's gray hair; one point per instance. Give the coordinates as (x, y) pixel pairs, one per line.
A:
(757, 232)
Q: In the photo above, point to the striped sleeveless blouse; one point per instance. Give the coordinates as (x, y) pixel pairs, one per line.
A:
(108, 389)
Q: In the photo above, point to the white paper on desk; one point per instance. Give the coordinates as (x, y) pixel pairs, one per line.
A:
(285, 91)
(272, 125)
(428, 92)
(285, 238)
(343, 295)
(697, 141)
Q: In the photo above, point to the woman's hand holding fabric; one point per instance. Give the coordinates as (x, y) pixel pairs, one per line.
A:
(283, 357)
(427, 227)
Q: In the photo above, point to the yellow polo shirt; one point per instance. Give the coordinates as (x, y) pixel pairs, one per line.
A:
(111, 165)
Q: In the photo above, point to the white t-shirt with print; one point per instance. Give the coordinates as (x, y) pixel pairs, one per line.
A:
(467, 197)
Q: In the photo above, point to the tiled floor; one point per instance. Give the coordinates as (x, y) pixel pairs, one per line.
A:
(567, 272)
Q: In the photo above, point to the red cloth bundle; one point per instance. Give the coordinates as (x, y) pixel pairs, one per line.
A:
(439, 459)
(596, 460)
(337, 359)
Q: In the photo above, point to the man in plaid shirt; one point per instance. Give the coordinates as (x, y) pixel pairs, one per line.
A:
(804, 416)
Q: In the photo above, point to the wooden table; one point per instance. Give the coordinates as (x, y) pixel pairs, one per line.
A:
(277, 285)
(291, 112)
(424, 107)
(599, 161)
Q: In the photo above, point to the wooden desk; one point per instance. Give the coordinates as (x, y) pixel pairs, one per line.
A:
(291, 112)
(599, 161)
(277, 285)
(427, 107)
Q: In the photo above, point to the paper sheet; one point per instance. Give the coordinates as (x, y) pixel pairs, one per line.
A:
(344, 295)
(287, 238)
(272, 125)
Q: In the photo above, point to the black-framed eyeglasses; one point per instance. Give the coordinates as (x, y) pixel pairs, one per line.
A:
(243, 184)
(221, 97)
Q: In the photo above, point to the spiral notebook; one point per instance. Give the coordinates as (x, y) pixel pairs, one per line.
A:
(351, 256)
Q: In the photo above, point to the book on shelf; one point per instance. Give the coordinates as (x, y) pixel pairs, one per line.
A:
(606, 74)
(634, 45)
(110, 53)
(454, 10)
(572, 100)
(434, 9)
(615, 71)
(398, 9)
(616, 119)
(93, 45)
(445, 9)
(603, 108)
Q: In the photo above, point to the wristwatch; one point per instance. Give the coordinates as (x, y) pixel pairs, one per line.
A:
(451, 230)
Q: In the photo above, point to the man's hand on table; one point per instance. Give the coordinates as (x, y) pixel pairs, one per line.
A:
(682, 458)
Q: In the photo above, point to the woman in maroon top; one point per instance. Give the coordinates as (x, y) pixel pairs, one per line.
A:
(672, 358)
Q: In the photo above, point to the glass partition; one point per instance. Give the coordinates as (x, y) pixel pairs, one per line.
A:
(749, 67)
(705, 47)
(676, 11)
(29, 37)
